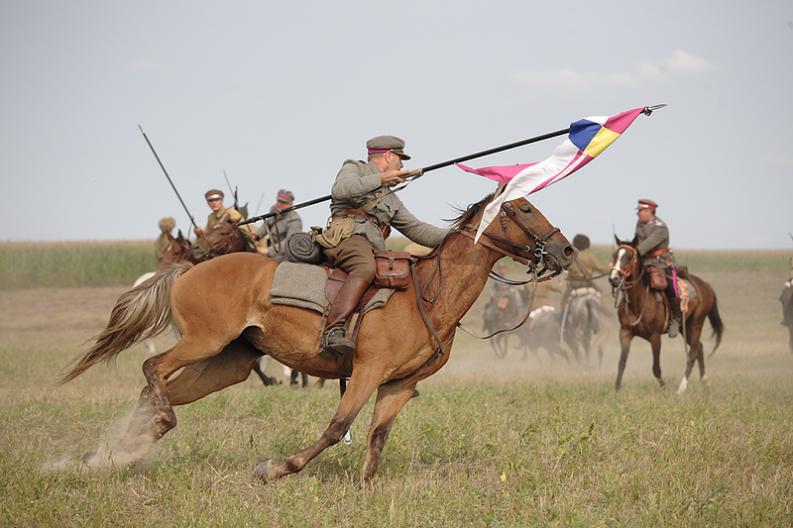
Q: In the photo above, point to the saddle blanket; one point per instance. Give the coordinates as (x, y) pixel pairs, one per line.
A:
(687, 293)
(541, 310)
(303, 285)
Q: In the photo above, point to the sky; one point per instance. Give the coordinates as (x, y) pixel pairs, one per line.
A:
(279, 94)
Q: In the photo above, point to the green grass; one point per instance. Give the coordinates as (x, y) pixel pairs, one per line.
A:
(492, 454)
(74, 264)
(512, 442)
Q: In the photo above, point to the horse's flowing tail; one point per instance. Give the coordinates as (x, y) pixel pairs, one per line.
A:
(141, 313)
(715, 323)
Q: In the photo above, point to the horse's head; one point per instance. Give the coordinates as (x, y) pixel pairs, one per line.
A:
(178, 250)
(522, 232)
(625, 263)
(222, 238)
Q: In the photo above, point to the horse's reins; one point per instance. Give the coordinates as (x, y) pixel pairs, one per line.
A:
(539, 255)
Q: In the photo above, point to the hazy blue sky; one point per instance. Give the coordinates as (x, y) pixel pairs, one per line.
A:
(280, 93)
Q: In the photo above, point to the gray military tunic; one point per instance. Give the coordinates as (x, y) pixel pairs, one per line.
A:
(357, 184)
(280, 228)
(652, 236)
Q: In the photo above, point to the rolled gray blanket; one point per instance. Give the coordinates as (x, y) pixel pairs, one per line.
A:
(300, 247)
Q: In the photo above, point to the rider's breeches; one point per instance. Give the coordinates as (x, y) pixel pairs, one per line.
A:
(355, 256)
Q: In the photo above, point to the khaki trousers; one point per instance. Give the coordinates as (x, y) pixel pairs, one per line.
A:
(355, 256)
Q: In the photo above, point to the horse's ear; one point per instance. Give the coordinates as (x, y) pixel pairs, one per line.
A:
(179, 235)
(617, 239)
(635, 241)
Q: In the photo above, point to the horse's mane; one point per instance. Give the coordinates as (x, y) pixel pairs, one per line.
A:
(468, 213)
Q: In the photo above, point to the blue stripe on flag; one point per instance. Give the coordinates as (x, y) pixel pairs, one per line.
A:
(582, 132)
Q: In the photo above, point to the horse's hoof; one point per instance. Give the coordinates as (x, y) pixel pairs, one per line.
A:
(262, 470)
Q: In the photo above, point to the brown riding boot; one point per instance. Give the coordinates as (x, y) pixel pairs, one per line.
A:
(334, 341)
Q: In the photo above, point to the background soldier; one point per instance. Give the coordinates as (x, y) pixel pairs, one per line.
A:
(652, 238)
(220, 214)
(584, 267)
(363, 209)
(274, 231)
(167, 225)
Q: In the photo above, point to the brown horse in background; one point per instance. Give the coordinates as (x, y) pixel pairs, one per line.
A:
(177, 250)
(640, 314)
(222, 239)
(223, 311)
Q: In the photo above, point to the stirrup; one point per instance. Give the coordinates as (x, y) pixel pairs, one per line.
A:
(335, 343)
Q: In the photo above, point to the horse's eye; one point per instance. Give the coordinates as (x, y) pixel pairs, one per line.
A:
(526, 208)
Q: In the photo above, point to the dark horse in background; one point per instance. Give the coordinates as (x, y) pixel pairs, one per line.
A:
(640, 314)
(503, 311)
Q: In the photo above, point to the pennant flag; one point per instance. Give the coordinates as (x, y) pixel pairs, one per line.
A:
(586, 140)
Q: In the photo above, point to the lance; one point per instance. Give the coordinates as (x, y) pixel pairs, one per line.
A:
(232, 191)
(414, 175)
(192, 221)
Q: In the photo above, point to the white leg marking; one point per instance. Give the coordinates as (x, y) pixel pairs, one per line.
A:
(683, 385)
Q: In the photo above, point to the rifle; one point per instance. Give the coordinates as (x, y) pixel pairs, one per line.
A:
(192, 221)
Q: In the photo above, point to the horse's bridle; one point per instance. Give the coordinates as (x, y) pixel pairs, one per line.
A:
(626, 284)
(535, 259)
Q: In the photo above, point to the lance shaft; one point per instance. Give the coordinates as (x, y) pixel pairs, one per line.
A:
(192, 221)
(419, 172)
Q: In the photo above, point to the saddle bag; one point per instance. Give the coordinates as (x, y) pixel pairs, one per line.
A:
(392, 269)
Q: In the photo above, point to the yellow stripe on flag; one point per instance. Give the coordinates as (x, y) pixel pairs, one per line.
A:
(602, 139)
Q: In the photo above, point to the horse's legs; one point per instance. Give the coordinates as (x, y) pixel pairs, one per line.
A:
(655, 343)
(232, 365)
(154, 415)
(390, 400)
(625, 346)
(693, 331)
(266, 380)
(361, 386)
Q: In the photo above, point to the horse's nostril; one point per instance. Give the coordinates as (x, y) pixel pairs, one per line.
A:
(568, 251)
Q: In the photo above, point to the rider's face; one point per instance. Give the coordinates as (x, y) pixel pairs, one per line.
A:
(215, 204)
(393, 162)
(645, 215)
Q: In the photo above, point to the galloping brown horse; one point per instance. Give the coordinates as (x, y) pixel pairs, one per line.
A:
(640, 314)
(223, 311)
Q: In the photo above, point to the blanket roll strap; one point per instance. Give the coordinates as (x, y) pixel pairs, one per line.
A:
(392, 269)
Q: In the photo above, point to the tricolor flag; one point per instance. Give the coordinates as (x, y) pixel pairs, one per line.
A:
(587, 138)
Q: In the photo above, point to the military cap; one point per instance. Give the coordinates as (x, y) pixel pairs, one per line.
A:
(387, 144)
(285, 195)
(167, 223)
(213, 194)
(581, 242)
(646, 203)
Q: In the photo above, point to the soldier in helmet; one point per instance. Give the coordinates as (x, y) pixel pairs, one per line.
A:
(274, 231)
(220, 213)
(652, 239)
(584, 267)
(363, 210)
(167, 225)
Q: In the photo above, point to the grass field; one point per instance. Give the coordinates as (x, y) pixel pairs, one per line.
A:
(489, 442)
